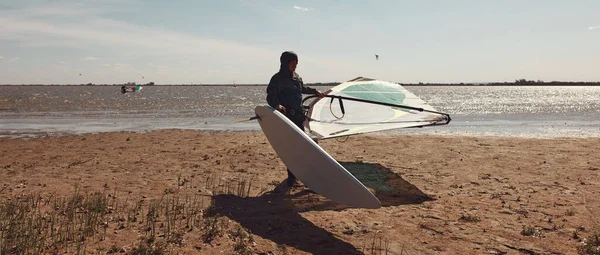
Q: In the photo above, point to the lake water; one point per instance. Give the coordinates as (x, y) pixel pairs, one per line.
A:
(529, 111)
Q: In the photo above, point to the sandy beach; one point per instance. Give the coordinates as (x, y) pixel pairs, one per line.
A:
(440, 194)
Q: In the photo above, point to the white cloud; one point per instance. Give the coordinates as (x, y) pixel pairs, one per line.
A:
(15, 59)
(594, 27)
(75, 30)
(62, 62)
(120, 65)
(82, 26)
(90, 58)
(300, 8)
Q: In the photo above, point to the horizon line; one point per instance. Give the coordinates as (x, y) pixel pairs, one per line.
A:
(527, 83)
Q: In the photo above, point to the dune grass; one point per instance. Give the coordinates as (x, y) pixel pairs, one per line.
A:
(85, 222)
(37, 223)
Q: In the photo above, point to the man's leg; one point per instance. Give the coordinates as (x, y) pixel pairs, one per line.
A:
(291, 179)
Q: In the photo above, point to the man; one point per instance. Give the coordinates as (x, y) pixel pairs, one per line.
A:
(284, 93)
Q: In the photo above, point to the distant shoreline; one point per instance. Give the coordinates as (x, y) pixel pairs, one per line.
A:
(591, 84)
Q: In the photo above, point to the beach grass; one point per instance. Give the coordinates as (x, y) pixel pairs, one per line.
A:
(40, 223)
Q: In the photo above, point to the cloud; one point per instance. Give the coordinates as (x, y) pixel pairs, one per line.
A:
(71, 25)
(594, 27)
(117, 66)
(304, 9)
(120, 66)
(90, 58)
(15, 59)
(73, 29)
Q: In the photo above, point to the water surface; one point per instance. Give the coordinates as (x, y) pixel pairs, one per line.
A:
(527, 111)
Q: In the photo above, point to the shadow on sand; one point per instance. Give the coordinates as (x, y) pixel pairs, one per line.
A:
(388, 187)
(272, 216)
(275, 216)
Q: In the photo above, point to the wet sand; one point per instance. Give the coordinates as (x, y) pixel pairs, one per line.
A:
(440, 194)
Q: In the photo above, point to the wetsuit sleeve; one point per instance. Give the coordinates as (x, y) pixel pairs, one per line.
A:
(273, 92)
(305, 89)
(308, 90)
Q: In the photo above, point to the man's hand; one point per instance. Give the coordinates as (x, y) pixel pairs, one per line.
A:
(281, 109)
(319, 94)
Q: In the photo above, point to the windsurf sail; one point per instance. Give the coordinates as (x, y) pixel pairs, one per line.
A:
(364, 105)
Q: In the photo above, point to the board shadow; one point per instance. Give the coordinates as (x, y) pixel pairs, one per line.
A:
(273, 217)
(389, 187)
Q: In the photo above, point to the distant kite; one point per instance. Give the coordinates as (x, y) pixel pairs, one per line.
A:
(376, 57)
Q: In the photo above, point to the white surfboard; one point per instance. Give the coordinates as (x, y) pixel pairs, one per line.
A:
(310, 163)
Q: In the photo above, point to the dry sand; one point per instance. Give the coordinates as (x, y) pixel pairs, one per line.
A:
(441, 194)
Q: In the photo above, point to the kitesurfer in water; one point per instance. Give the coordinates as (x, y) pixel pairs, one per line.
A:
(284, 93)
(123, 89)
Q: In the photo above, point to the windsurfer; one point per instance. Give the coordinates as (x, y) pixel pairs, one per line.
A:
(284, 93)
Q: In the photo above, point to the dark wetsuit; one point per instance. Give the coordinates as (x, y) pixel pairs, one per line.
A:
(286, 89)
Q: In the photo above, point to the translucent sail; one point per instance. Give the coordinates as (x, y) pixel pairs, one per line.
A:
(382, 106)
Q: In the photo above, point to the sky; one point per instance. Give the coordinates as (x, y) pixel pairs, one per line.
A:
(226, 41)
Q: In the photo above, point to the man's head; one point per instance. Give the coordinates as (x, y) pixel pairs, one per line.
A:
(289, 61)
